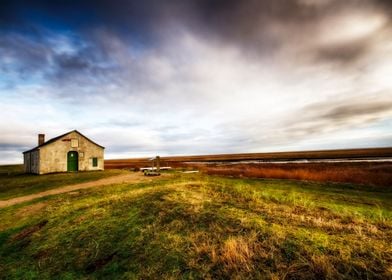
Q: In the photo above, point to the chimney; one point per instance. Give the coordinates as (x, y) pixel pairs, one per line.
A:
(41, 139)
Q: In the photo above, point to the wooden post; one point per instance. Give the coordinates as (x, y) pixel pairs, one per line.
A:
(158, 164)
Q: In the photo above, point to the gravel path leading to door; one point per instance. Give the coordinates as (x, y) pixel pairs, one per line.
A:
(123, 178)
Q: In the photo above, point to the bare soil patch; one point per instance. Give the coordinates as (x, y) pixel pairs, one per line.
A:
(29, 231)
(30, 209)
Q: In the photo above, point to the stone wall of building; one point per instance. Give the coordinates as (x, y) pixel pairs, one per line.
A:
(31, 162)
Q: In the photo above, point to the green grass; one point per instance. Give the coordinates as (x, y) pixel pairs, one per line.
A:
(194, 226)
(14, 183)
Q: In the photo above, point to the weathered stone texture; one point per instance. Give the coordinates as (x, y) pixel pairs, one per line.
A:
(31, 162)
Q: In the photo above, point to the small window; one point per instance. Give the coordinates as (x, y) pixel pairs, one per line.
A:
(95, 162)
(74, 143)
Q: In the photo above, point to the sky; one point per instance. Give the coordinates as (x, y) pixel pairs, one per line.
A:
(188, 77)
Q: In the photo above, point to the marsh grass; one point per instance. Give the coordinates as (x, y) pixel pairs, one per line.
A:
(196, 226)
(376, 174)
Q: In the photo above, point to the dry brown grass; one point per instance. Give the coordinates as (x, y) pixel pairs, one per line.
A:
(237, 253)
(377, 174)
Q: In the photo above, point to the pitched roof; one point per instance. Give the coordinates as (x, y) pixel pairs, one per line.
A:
(57, 138)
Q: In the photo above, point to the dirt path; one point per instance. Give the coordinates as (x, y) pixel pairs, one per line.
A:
(127, 178)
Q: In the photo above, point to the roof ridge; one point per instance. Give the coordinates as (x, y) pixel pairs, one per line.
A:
(58, 137)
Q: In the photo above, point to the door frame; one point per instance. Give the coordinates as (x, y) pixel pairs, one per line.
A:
(77, 161)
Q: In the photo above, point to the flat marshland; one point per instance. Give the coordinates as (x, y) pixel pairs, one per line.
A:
(368, 173)
(371, 166)
(370, 153)
(199, 226)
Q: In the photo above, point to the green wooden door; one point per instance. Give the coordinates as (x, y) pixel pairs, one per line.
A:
(72, 161)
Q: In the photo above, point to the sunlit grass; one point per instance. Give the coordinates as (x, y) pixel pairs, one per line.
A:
(199, 227)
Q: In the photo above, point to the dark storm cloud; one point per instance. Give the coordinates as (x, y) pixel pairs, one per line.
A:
(41, 54)
(247, 21)
(19, 14)
(22, 53)
(82, 64)
(266, 27)
(72, 62)
(351, 111)
(256, 27)
(136, 18)
(231, 18)
(331, 115)
(386, 4)
(12, 147)
(343, 52)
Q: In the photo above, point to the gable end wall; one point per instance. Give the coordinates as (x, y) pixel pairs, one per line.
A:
(53, 157)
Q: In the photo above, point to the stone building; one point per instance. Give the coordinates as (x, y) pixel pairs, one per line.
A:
(71, 151)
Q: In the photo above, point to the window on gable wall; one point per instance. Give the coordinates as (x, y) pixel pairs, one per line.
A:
(95, 162)
(74, 143)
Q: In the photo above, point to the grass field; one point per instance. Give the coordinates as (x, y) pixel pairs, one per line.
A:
(196, 226)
